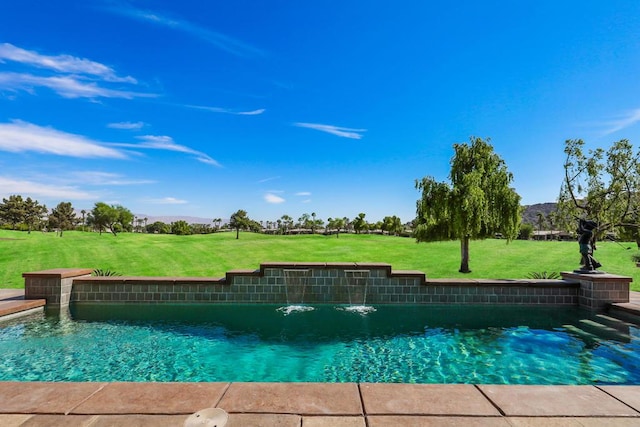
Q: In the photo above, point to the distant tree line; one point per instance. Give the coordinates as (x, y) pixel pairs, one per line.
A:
(17, 213)
(311, 224)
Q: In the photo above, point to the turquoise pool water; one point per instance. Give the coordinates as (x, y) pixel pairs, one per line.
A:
(411, 344)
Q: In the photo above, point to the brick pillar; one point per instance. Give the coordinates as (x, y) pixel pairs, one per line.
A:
(53, 285)
(597, 291)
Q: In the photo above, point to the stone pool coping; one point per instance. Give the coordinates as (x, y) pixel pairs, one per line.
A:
(317, 404)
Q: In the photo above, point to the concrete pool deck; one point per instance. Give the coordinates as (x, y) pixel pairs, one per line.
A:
(317, 404)
(313, 404)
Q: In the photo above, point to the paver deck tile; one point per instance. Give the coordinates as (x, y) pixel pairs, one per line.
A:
(263, 420)
(571, 422)
(430, 421)
(587, 401)
(152, 398)
(43, 397)
(60, 421)
(139, 421)
(293, 398)
(339, 421)
(629, 394)
(425, 399)
(608, 422)
(13, 420)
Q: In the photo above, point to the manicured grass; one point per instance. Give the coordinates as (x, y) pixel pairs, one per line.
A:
(214, 254)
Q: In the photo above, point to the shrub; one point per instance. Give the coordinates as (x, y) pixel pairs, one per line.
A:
(544, 275)
(526, 231)
(107, 272)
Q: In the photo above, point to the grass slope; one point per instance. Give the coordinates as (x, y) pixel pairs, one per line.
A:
(214, 254)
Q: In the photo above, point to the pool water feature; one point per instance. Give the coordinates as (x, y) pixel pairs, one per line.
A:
(356, 284)
(396, 343)
(295, 284)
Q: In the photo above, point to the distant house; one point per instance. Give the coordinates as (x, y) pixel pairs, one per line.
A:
(552, 235)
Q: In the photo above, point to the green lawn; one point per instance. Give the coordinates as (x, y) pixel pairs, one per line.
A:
(214, 254)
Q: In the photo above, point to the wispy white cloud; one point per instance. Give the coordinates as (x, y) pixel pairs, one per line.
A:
(303, 193)
(167, 201)
(221, 41)
(35, 189)
(19, 136)
(61, 63)
(67, 86)
(251, 113)
(334, 130)
(227, 110)
(271, 178)
(272, 198)
(68, 76)
(107, 178)
(163, 142)
(127, 125)
(629, 119)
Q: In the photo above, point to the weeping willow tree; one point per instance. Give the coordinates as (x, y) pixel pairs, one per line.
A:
(477, 203)
(603, 187)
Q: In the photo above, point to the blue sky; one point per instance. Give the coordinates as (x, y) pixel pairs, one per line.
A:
(202, 107)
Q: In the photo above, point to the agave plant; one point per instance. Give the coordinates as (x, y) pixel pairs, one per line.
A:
(544, 275)
(107, 272)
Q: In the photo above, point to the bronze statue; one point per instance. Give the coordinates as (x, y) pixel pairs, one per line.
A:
(586, 240)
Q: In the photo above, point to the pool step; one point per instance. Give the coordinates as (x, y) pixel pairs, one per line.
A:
(627, 311)
(614, 322)
(605, 331)
(12, 307)
(587, 336)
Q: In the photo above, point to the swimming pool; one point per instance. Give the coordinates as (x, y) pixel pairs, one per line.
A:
(395, 343)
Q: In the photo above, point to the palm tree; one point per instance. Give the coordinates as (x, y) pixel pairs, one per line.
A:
(359, 223)
(540, 216)
(304, 220)
(336, 224)
(287, 222)
(313, 223)
(346, 224)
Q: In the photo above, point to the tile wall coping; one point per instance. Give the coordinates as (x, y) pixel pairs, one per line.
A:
(556, 283)
(60, 273)
(148, 279)
(328, 266)
(601, 277)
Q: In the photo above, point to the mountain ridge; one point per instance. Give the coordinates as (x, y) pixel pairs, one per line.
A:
(529, 215)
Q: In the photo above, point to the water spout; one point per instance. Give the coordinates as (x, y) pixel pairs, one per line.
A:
(356, 284)
(295, 285)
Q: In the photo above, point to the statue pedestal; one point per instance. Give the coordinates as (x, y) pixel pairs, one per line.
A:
(598, 290)
(581, 271)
